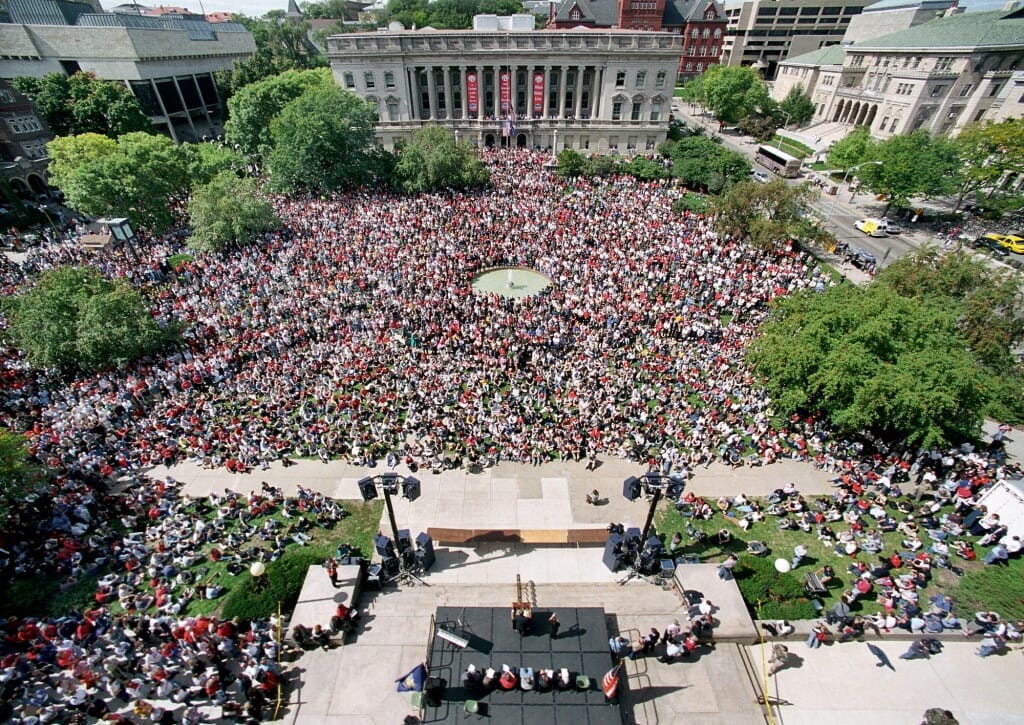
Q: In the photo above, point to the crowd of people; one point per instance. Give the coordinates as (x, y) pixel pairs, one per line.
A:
(354, 331)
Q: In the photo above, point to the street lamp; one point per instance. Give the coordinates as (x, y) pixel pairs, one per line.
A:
(788, 116)
(389, 483)
(122, 231)
(842, 183)
(554, 146)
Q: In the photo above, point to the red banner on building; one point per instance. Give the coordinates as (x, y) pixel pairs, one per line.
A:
(472, 93)
(505, 79)
(538, 93)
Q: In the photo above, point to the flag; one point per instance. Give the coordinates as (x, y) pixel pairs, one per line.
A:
(610, 682)
(412, 681)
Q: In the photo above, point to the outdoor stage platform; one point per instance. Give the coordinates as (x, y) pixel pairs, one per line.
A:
(581, 646)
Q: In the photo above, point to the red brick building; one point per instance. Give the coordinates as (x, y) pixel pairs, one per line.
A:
(700, 22)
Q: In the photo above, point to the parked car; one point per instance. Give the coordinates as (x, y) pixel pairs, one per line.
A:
(876, 227)
(760, 176)
(992, 243)
(1013, 242)
(862, 259)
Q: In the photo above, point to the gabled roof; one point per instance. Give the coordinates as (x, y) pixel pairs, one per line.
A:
(680, 12)
(966, 30)
(599, 12)
(829, 55)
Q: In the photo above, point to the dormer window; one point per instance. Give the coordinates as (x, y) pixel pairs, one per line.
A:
(575, 14)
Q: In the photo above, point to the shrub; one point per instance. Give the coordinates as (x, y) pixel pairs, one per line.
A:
(284, 579)
(770, 594)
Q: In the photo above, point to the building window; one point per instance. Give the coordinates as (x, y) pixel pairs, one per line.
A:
(655, 111)
(695, 33)
(637, 110)
(620, 79)
(689, 69)
(966, 90)
(369, 80)
(641, 79)
(392, 111)
(718, 33)
(892, 126)
(350, 80)
(916, 63)
(659, 81)
(617, 111)
(700, 67)
(885, 121)
(575, 14)
(938, 91)
(389, 79)
(706, 34)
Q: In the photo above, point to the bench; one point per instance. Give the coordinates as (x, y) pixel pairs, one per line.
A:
(813, 585)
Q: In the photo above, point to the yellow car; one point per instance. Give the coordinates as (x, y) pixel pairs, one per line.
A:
(1012, 242)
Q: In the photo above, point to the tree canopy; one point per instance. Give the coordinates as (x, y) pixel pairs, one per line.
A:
(281, 45)
(446, 14)
(895, 356)
(850, 150)
(732, 92)
(227, 211)
(323, 140)
(252, 108)
(706, 164)
(433, 160)
(798, 105)
(75, 319)
(917, 164)
(765, 214)
(135, 176)
(988, 151)
(203, 161)
(83, 104)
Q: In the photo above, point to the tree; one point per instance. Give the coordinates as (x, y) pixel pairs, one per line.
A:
(433, 160)
(135, 176)
(798, 105)
(18, 475)
(75, 319)
(203, 161)
(733, 92)
(644, 168)
(281, 45)
(409, 13)
(917, 164)
(898, 356)
(323, 140)
(852, 149)
(988, 151)
(571, 163)
(227, 211)
(704, 163)
(253, 107)
(766, 214)
(83, 104)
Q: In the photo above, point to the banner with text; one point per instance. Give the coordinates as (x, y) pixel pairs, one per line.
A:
(472, 93)
(538, 93)
(506, 91)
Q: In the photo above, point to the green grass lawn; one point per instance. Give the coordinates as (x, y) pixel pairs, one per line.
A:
(980, 588)
(791, 147)
(42, 595)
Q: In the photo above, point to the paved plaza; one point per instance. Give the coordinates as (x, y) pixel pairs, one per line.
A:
(838, 684)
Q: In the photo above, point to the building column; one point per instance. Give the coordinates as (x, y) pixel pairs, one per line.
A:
(563, 88)
(595, 90)
(463, 101)
(497, 91)
(163, 109)
(416, 93)
(184, 105)
(579, 91)
(431, 92)
(547, 90)
(206, 111)
(448, 93)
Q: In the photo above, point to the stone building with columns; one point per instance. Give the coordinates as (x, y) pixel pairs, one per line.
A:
(591, 90)
(168, 62)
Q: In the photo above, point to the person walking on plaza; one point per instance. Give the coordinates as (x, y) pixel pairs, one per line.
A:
(726, 567)
(779, 658)
(553, 625)
(332, 572)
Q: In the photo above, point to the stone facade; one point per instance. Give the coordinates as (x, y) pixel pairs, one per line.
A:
(938, 76)
(168, 63)
(765, 32)
(23, 139)
(596, 91)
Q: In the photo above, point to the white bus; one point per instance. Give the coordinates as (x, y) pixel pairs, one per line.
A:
(778, 161)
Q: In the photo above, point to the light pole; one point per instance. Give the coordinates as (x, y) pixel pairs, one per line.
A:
(554, 146)
(388, 484)
(788, 116)
(842, 183)
(654, 485)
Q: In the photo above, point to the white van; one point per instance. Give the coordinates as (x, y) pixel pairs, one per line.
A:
(877, 227)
